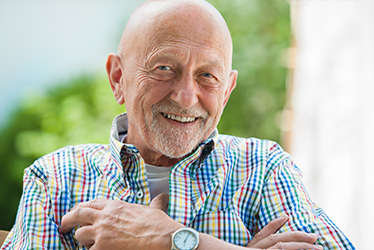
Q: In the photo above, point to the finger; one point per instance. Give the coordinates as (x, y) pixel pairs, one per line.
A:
(98, 204)
(86, 236)
(80, 216)
(161, 202)
(295, 236)
(269, 229)
(288, 237)
(295, 246)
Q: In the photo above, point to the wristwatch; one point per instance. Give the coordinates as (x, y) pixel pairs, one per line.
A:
(185, 239)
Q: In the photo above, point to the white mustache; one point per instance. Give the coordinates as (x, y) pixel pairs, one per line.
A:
(173, 109)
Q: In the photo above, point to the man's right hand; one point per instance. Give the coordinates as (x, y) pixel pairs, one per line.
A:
(115, 224)
(268, 239)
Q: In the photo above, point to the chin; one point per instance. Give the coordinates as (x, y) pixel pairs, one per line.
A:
(173, 141)
(175, 147)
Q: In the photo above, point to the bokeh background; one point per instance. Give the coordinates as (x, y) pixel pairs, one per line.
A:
(305, 81)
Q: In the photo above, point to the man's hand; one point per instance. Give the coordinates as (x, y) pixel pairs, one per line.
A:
(267, 239)
(110, 224)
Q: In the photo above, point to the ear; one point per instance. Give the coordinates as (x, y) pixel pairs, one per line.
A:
(114, 71)
(231, 86)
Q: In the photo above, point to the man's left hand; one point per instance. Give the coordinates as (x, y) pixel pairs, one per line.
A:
(113, 224)
(268, 238)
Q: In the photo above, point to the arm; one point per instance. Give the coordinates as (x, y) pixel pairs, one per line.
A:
(107, 224)
(35, 226)
(284, 194)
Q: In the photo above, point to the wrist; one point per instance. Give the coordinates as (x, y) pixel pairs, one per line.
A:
(185, 238)
(166, 235)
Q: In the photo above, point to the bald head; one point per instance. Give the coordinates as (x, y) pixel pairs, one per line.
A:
(173, 73)
(156, 21)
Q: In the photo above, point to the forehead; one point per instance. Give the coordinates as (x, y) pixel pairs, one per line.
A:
(182, 29)
(178, 42)
(183, 49)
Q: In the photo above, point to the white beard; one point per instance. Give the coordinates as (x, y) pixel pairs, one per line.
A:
(175, 142)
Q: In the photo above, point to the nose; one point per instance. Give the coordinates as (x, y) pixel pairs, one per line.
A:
(185, 92)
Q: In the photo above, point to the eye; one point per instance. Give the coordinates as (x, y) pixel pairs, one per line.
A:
(207, 75)
(163, 67)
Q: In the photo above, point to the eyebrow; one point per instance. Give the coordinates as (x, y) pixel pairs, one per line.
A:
(167, 55)
(150, 61)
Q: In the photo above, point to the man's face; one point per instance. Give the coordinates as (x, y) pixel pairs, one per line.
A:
(175, 88)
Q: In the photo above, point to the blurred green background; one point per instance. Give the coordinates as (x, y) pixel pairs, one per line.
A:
(81, 110)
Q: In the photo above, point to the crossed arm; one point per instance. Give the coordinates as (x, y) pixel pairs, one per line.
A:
(109, 224)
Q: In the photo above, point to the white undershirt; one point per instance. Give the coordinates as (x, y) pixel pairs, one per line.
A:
(158, 179)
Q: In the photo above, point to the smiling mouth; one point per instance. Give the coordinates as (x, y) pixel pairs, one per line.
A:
(179, 118)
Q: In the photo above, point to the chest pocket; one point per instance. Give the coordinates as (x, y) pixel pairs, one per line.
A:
(214, 207)
(225, 225)
(215, 213)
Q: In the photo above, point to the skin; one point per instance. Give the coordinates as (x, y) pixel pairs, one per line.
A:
(109, 224)
(171, 63)
(174, 59)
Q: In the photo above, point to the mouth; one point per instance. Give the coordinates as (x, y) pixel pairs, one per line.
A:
(179, 118)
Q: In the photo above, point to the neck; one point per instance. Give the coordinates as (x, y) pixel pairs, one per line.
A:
(152, 157)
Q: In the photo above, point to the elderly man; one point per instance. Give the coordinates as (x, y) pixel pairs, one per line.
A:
(168, 180)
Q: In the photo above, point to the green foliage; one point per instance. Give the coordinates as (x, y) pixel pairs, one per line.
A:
(81, 110)
(261, 31)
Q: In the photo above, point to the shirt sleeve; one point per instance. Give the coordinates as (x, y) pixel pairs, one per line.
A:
(37, 221)
(284, 193)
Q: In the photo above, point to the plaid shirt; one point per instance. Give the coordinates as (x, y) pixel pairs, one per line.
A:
(228, 187)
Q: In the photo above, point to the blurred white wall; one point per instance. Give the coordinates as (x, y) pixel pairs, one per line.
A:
(46, 42)
(333, 110)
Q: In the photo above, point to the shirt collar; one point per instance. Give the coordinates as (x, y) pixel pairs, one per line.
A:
(120, 127)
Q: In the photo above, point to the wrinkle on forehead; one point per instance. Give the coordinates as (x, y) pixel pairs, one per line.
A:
(179, 55)
(184, 21)
(180, 48)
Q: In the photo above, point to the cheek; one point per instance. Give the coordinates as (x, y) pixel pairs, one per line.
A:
(147, 93)
(213, 101)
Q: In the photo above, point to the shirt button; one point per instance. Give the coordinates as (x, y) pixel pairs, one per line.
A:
(139, 194)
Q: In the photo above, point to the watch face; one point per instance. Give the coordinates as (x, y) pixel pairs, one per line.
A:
(185, 240)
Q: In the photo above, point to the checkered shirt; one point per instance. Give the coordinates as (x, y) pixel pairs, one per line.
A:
(229, 187)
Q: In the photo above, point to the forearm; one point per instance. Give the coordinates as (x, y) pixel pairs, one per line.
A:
(284, 186)
(206, 241)
(210, 242)
(267, 238)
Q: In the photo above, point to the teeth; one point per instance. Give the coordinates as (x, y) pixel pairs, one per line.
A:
(179, 118)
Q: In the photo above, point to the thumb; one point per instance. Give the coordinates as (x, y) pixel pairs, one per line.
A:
(161, 202)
